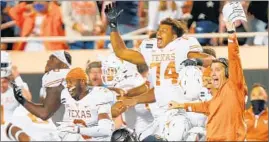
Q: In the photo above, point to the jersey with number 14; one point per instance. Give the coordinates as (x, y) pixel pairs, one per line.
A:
(164, 63)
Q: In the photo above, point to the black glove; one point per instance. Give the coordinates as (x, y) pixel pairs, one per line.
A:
(18, 94)
(112, 14)
(192, 62)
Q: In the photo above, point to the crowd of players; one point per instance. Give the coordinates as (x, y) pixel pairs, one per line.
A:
(184, 95)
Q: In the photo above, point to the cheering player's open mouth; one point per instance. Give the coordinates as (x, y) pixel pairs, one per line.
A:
(159, 41)
(215, 81)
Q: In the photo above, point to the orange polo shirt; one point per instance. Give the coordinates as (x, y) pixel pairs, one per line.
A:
(257, 126)
(226, 109)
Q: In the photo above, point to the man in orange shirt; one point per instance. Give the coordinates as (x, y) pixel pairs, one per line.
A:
(226, 109)
(256, 116)
(38, 19)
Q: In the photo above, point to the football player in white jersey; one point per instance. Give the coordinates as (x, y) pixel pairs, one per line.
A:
(124, 75)
(162, 55)
(8, 102)
(192, 85)
(54, 82)
(87, 114)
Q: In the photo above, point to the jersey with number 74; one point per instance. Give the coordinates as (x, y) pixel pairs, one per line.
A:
(164, 66)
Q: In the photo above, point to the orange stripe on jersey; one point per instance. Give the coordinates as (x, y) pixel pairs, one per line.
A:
(82, 122)
(195, 46)
(55, 81)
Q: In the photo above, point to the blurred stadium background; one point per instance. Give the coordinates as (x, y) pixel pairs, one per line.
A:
(82, 27)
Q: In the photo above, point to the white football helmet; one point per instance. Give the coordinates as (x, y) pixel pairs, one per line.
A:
(191, 82)
(5, 64)
(111, 70)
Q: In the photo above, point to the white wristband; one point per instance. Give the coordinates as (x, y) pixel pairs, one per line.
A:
(9, 132)
(19, 81)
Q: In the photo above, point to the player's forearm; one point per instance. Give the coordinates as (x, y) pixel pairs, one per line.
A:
(118, 44)
(117, 109)
(207, 59)
(105, 128)
(148, 97)
(122, 52)
(38, 110)
(138, 90)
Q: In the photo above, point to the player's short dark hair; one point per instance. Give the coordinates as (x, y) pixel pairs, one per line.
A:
(142, 68)
(209, 51)
(94, 64)
(178, 26)
(68, 57)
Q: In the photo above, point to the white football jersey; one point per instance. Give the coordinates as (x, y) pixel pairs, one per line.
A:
(35, 127)
(138, 117)
(52, 79)
(8, 106)
(163, 65)
(97, 101)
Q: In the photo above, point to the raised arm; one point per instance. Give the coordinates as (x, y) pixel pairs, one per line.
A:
(118, 44)
(236, 74)
(44, 111)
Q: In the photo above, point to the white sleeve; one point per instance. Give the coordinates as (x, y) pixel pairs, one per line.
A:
(104, 108)
(194, 45)
(105, 128)
(54, 78)
(42, 92)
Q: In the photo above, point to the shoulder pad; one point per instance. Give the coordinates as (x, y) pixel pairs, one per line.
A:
(54, 78)
(103, 94)
(148, 43)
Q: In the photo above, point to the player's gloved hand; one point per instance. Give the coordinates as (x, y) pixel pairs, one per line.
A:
(18, 93)
(192, 62)
(112, 14)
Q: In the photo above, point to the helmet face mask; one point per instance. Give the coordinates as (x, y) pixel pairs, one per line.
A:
(109, 75)
(111, 67)
(124, 135)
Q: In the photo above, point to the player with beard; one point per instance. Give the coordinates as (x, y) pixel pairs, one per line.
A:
(87, 110)
(94, 73)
